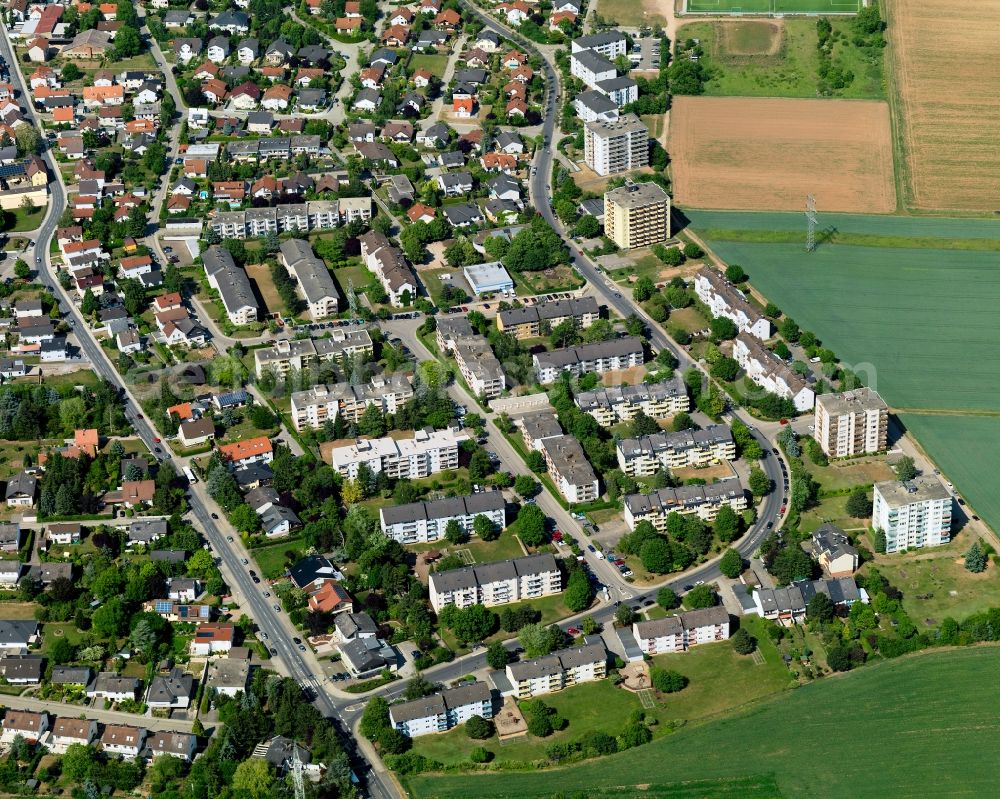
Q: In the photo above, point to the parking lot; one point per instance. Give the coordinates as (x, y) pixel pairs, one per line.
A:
(649, 54)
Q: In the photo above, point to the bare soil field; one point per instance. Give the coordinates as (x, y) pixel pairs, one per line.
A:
(770, 153)
(945, 72)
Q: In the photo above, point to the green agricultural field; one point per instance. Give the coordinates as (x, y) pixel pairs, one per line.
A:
(816, 741)
(773, 6)
(894, 297)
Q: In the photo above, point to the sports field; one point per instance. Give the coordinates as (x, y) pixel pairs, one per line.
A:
(772, 6)
(944, 69)
(769, 153)
(936, 710)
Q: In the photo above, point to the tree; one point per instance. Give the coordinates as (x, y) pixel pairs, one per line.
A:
(725, 369)
(480, 466)
(536, 639)
(375, 717)
(62, 651)
(727, 524)
(536, 461)
(526, 486)
(28, 140)
(735, 273)
(657, 556)
(77, 762)
(635, 734)
(667, 599)
(683, 421)
(760, 483)
(879, 541)
(245, 519)
(723, 328)
(643, 425)
(858, 504)
(478, 728)
(701, 596)
(820, 608)
(540, 725)
(624, 615)
(838, 658)
(372, 422)
(667, 681)
(531, 525)
(454, 533)
(731, 564)
(905, 468)
(579, 593)
(671, 256)
(743, 642)
(21, 269)
(497, 656)
(643, 289)
(484, 527)
(71, 72)
(975, 559)
(692, 250)
(88, 306)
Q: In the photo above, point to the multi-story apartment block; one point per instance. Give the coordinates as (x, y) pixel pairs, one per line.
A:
(473, 355)
(316, 406)
(913, 514)
(609, 44)
(725, 300)
(679, 633)
(528, 322)
(616, 145)
(704, 501)
(390, 267)
(232, 283)
(851, 423)
(637, 215)
(771, 373)
(311, 215)
(646, 455)
(609, 406)
(600, 357)
(428, 452)
(299, 354)
(314, 279)
(423, 522)
(498, 583)
(591, 67)
(537, 427)
(443, 711)
(569, 469)
(554, 672)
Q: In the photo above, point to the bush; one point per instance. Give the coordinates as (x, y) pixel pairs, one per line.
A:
(479, 728)
(666, 681)
(692, 250)
(743, 642)
(480, 755)
(540, 725)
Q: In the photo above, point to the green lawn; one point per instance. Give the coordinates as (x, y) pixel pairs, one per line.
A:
(504, 548)
(940, 585)
(434, 63)
(849, 473)
(272, 559)
(819, 741)
(921, 305)
(758, 58)
(558, 278)
(19, 220)
(628, 14)
(833, 510)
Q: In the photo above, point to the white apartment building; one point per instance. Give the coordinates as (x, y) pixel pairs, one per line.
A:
(478, 365)
(441, 712)
(680, 632)
(390, 267)
(771, 373)
(617, 145)
(725, 300)
(609, 44)
(600, 357)
(232, 283)
(527, 322)
(313, 408)
(609, 406)
(314, 279)
(428, 452)
(569, 468)
(498, 583)
(423, 522)
(851, 423)
(646, 455)
(914, 514)
(297, 355)
(704, 501)
(551, 673)
(591, 67)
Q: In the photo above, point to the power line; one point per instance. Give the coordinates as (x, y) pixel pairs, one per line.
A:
(810, 223)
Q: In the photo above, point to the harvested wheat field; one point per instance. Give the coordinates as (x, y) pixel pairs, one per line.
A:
(770, 153)
(946, 74)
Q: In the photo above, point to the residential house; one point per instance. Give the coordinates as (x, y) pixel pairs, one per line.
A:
(171, 690)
